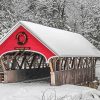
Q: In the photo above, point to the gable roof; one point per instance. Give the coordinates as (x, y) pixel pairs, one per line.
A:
(62, 43)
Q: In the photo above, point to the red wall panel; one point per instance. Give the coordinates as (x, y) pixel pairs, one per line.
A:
(33, 43)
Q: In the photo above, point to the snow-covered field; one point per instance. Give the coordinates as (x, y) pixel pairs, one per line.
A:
(41, 90)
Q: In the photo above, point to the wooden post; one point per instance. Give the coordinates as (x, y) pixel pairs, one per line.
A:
(60, 72)
(52, 73)
(4, 70)
(2, 64)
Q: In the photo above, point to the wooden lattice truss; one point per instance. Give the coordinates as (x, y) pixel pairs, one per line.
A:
(23, 60)
(74, 70)
(71, 70)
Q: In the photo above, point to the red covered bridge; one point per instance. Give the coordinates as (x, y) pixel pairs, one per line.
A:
(31, 50)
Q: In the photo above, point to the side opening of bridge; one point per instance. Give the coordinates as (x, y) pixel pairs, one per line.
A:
(23, 65)
(72, 70)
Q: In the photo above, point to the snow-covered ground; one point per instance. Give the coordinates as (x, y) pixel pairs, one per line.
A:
(41, 90)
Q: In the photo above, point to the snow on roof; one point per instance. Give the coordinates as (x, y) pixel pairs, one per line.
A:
(63, 43)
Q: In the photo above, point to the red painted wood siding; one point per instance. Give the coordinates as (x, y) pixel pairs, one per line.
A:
(35, 45)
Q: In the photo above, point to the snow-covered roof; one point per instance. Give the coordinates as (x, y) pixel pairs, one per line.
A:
(63, 43)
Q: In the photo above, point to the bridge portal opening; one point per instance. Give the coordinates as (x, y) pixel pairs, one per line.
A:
(23, 65)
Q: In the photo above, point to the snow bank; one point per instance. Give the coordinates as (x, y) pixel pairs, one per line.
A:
(43, 91)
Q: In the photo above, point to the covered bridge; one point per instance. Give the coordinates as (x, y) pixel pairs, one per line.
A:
(31, 50)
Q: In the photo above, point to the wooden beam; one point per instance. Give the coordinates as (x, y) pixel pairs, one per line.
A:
(33, 58)
(51, 65)
(40, 62)
(23, 60)
(2, 64)
(52, 73)
(65, 63)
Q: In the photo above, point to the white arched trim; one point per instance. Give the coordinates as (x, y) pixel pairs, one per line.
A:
(47, 60)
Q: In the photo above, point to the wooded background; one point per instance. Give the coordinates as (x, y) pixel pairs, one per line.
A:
(80, 16)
